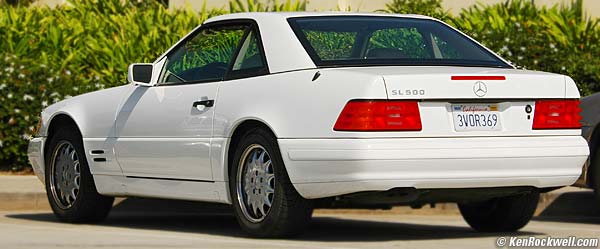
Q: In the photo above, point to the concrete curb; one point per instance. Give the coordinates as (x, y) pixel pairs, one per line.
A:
(23, 201)
(22, 193)
(27, 193)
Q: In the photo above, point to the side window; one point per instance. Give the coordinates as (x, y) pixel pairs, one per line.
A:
(204, 57)
(249, 60)
(397, 43)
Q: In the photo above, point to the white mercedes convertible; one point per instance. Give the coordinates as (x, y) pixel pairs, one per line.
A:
(279, 113)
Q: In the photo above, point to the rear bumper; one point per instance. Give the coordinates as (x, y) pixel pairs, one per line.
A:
(329, 167)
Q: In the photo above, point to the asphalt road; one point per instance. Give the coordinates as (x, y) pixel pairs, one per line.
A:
(151, 225)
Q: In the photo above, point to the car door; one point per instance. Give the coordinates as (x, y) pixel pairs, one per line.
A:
(164, 131)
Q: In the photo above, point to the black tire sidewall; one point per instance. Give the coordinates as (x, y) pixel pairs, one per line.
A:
(263, 139)
(502, 214)
(80, 211)
(594, 175)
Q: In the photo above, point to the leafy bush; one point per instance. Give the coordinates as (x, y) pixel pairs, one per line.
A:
(423, 7)
(27, 86)
(273, 5)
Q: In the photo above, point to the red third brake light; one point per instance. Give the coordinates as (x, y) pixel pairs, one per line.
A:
(556, 114)
(379, 115)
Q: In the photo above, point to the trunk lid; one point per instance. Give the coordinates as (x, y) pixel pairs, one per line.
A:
(468, 101)
(471, 83)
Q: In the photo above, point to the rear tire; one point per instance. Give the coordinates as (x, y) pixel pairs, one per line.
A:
(503, 214)
(594, 175)
(264, 200)
(69, 184)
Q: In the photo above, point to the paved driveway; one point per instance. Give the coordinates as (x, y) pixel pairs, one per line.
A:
(159, 224)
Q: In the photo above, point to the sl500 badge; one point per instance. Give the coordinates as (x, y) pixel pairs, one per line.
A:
(408, 92)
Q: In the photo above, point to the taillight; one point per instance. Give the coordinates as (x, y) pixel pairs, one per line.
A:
(379, 115)
(556, 114)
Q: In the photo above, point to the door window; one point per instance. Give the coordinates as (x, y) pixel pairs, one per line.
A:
(204, 57)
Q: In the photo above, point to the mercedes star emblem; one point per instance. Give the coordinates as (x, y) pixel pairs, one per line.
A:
(480, 89)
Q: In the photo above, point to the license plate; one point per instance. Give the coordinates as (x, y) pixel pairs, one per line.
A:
(476, 117)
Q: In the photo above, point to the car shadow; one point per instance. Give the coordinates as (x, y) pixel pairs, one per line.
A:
(214, 219)
(572, 207)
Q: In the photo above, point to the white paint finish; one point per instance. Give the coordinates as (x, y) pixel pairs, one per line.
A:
(571, 91)
(158, 67)
(328, 189)
(181, 190)
(35, 153)
(218, 157)
(93, 112)
(108, 167)
(161, 134)
(167, 112)
(382, 164)
(297, 98)
(283, 50)
(437, 83)
(157, 188)
(110, 185)
(293, 105)
(179, 158)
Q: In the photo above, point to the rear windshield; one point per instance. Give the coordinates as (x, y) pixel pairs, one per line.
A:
(368, 40)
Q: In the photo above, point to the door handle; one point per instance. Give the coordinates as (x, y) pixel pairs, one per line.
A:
(203, 104)
(207, 103)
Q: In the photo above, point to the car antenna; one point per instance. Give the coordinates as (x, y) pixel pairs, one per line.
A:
(317, 75)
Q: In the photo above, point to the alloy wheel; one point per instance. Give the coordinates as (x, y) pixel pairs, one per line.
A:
(65, 175)
(255, 183)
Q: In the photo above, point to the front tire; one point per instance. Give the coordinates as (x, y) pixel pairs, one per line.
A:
(69, 184)
(502, 214)
(265, 202)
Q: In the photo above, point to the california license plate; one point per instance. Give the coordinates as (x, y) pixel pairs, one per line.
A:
(476, 117)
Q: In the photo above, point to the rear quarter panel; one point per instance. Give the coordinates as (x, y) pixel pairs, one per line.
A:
(291, 103)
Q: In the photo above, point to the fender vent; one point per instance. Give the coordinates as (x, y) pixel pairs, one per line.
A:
(97, 152)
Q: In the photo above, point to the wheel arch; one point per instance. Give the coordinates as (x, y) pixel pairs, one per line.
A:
(235, 135)
(57, 121)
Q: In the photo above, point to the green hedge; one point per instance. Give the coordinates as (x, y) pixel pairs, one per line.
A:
(47, 55)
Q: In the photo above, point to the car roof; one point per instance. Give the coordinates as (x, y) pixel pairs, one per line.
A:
(283, 51)
(284, 15)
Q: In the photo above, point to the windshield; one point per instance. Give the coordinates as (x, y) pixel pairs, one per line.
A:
(368, 40)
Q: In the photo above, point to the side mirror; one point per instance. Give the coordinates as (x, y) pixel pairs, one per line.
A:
(140, 74)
